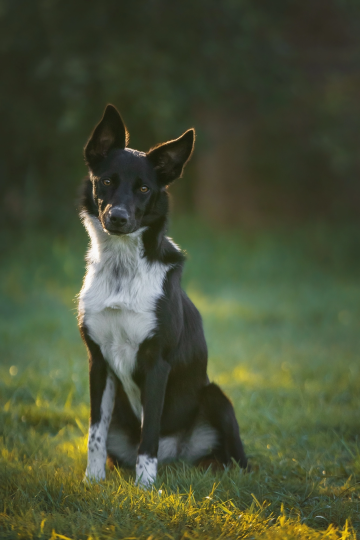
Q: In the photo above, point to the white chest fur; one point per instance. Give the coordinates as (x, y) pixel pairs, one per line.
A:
(118, 300)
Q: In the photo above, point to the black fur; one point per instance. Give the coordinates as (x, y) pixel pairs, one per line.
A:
(97, 375)
(171, 365)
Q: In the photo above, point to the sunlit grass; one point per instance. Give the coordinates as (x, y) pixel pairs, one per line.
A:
(282, 318)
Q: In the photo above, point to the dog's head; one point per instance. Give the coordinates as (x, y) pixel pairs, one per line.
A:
(129, 187)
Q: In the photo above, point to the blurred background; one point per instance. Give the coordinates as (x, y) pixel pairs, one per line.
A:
(272, 89)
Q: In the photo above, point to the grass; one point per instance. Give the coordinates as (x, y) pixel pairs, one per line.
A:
(281, 313)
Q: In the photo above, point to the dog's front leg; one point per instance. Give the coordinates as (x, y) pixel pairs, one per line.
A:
(102, 396)
(152, 396)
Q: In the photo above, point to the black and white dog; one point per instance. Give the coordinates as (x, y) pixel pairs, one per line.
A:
(150, 396)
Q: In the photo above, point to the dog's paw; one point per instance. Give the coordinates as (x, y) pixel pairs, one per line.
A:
(146, 469)
(94, 474)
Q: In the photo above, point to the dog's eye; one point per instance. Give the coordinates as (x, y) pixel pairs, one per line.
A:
(144, 189)
(107, 181)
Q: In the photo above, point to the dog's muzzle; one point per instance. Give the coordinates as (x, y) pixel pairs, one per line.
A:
(117, 221)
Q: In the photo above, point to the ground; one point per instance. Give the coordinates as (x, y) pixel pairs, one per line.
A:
(281, 312)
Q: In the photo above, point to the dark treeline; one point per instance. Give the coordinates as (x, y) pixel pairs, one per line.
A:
(272, 88)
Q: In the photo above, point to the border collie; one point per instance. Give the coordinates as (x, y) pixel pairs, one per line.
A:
(150, 397)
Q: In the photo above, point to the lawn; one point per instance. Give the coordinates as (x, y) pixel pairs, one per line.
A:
(281, 311)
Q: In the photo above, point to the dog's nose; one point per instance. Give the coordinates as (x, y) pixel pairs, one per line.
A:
(119, 216)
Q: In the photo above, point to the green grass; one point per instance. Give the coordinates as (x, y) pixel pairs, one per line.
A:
(282, 318)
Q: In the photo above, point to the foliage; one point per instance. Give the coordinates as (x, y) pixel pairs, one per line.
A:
(281, 314)
(289, 69)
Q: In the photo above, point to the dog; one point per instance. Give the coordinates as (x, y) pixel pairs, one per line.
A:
(150, 397)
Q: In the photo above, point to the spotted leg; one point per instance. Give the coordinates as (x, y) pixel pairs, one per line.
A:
(152, 397)
(102, 397)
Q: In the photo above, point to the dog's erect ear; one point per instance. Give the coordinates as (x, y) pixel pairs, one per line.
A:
(170, 158)
(110, 133)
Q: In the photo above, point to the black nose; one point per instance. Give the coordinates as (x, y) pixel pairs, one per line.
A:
(119, 216)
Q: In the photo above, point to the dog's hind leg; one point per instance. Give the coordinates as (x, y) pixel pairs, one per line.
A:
(219, 412)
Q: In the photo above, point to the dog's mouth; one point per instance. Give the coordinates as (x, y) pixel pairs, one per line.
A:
(116, 230)
(119, 232)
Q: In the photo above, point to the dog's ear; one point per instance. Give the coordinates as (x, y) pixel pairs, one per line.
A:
(170, 158)
(110, 133)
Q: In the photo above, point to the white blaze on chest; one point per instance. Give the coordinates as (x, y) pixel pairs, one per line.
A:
(118, 300)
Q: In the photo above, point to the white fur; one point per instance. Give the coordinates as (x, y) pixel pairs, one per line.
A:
(168, 448)
(118, 299)
(119, 446)
(98, 434)
(202, 440)
(146, 469)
